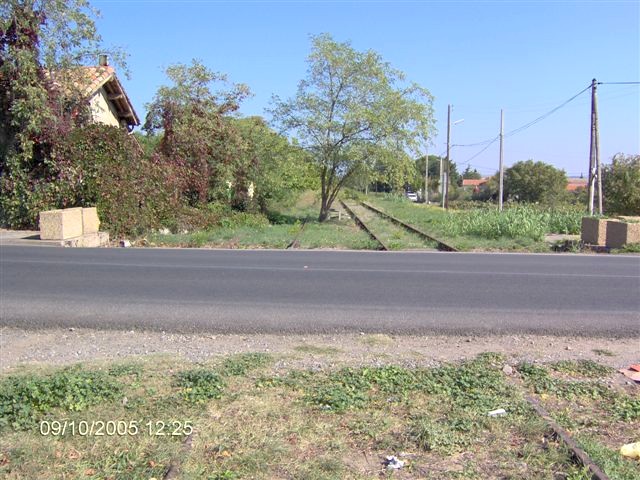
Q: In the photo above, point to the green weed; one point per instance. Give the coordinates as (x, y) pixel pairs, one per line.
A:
(584, 368)
(200, 385)
(126, 369)
(26, 399)
(538, 378)
(241, 364)
(441, 436)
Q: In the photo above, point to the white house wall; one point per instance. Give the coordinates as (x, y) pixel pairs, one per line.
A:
(102, 110)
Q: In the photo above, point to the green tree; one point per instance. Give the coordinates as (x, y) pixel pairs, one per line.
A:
(621, 185)
(350, 106)
(417, 181)
(529, 181)
(193, 116)
(40, 43)
(469, 174)
(277, 167)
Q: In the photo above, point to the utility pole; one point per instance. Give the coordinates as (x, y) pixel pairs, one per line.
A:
(445, 180)
(598, 166)
(426, 176)
(501, 159)
(595, 171)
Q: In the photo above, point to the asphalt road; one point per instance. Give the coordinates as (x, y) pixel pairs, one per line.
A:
(319, 291)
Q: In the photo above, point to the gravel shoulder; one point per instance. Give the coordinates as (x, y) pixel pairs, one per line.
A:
(20, 347)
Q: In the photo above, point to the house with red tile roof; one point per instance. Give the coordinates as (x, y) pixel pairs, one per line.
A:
(575, 183)
(99, 85)
(473, 184)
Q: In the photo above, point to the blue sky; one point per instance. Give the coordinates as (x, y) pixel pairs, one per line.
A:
(526, 57)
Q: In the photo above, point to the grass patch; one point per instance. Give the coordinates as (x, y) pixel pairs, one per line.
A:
(317, 350)
(629, 248)
(518, 227)
(262, 236)
(243, 363)
(583, 368)
(394, 236)
(610, 460)
(335, 234)
(334, 423)
(601, 419)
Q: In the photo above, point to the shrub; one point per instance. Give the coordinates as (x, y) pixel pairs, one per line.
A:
(534, 182)
(621, 184)
(103, 166)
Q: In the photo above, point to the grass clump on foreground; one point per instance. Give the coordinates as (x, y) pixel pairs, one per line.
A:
(250, 419)
(518, 227)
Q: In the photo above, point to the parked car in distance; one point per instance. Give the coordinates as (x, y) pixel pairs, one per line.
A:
(412, 196)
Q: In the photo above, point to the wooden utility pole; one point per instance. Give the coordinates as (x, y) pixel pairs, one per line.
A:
(598, 166)
(501, 194)
(445, 180)
(595, 170)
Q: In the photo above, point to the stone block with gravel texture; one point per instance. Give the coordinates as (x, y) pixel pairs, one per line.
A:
(90, 220)
(61, 224)
(620, 234)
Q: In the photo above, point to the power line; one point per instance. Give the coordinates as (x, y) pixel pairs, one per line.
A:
(550, 112)
(484, 142)
(490, 141)
(618, 83)
(495, 139)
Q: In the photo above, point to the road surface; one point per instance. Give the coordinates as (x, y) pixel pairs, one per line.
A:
(185, 290)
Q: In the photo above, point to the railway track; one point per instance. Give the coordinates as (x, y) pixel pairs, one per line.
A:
(361, 223)
(375, 222)
(295, 243)
(441, 245)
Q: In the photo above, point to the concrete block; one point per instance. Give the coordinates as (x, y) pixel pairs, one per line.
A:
(90, 220)
(621, 233)
(90, 240)
(594, 231)
(61, 224)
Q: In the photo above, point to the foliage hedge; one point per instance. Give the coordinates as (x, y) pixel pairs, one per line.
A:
(105, 167)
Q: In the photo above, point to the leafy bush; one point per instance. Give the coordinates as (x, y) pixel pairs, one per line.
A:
(621, 184)
(199, 385)
(26, 399)
(103, 166)
(531, 181)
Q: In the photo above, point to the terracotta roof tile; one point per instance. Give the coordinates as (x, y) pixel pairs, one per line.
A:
(472, 182)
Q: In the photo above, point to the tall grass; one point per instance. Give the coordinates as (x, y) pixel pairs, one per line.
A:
(530, 221)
